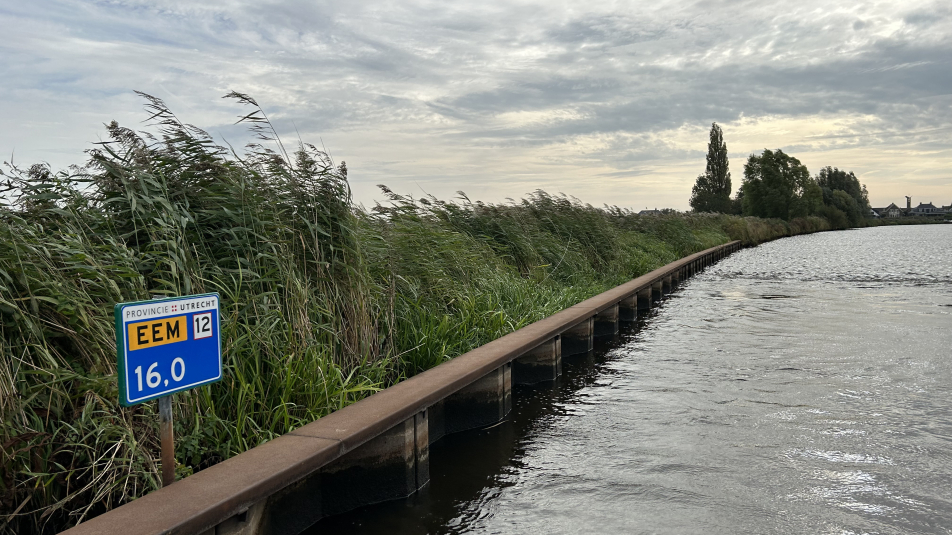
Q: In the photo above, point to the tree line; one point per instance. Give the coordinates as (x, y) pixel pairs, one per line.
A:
(778, 185)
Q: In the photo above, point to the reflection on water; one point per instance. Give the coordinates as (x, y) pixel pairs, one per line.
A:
(803, 386)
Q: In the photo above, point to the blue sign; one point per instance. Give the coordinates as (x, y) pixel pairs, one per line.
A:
(166, 346)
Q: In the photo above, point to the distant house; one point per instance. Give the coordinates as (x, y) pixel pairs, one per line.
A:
(926, 210)
(650, 212)
(890, 211)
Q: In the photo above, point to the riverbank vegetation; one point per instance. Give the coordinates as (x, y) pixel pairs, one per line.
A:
(777, 185)
(323, 302)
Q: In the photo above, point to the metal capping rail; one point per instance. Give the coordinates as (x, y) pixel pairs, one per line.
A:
(378, 448)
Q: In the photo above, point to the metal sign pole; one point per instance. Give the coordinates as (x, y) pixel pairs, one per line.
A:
(168, 440)
(166, 435)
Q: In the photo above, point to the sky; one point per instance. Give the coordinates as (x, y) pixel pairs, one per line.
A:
(609, 102)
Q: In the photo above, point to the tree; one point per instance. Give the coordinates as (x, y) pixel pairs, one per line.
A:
(712, 190)
(843, 191)
(777, 185)
(809, 199)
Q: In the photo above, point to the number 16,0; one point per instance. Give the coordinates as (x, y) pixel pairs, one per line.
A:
(153, 378)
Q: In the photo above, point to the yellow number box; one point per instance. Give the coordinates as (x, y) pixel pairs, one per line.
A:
(156, 333)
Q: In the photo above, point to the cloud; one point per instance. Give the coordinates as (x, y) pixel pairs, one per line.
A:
(606, 101)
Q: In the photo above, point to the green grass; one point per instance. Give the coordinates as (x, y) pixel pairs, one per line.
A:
(322, 303)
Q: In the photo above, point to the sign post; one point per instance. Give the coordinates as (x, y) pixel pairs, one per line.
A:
(165, 346)
(168, 440)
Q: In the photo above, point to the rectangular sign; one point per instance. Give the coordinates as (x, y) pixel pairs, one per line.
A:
(165, 346)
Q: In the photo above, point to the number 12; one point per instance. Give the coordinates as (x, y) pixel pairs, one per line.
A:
(201, 325)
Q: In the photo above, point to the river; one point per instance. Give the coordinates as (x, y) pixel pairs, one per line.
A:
(801, 386)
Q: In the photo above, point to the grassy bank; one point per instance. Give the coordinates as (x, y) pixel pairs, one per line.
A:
(322, 303)
(891, 222)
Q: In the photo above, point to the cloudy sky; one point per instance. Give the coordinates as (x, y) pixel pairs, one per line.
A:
(607, 101)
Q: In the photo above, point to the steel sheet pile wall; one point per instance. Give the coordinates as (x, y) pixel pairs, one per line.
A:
(378, 448)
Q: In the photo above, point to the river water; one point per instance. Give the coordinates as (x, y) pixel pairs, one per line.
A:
(802, 386)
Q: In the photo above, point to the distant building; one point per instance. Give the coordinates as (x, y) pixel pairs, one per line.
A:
(923, 210)
(650, 212)
(890, 211)
(926, 210)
